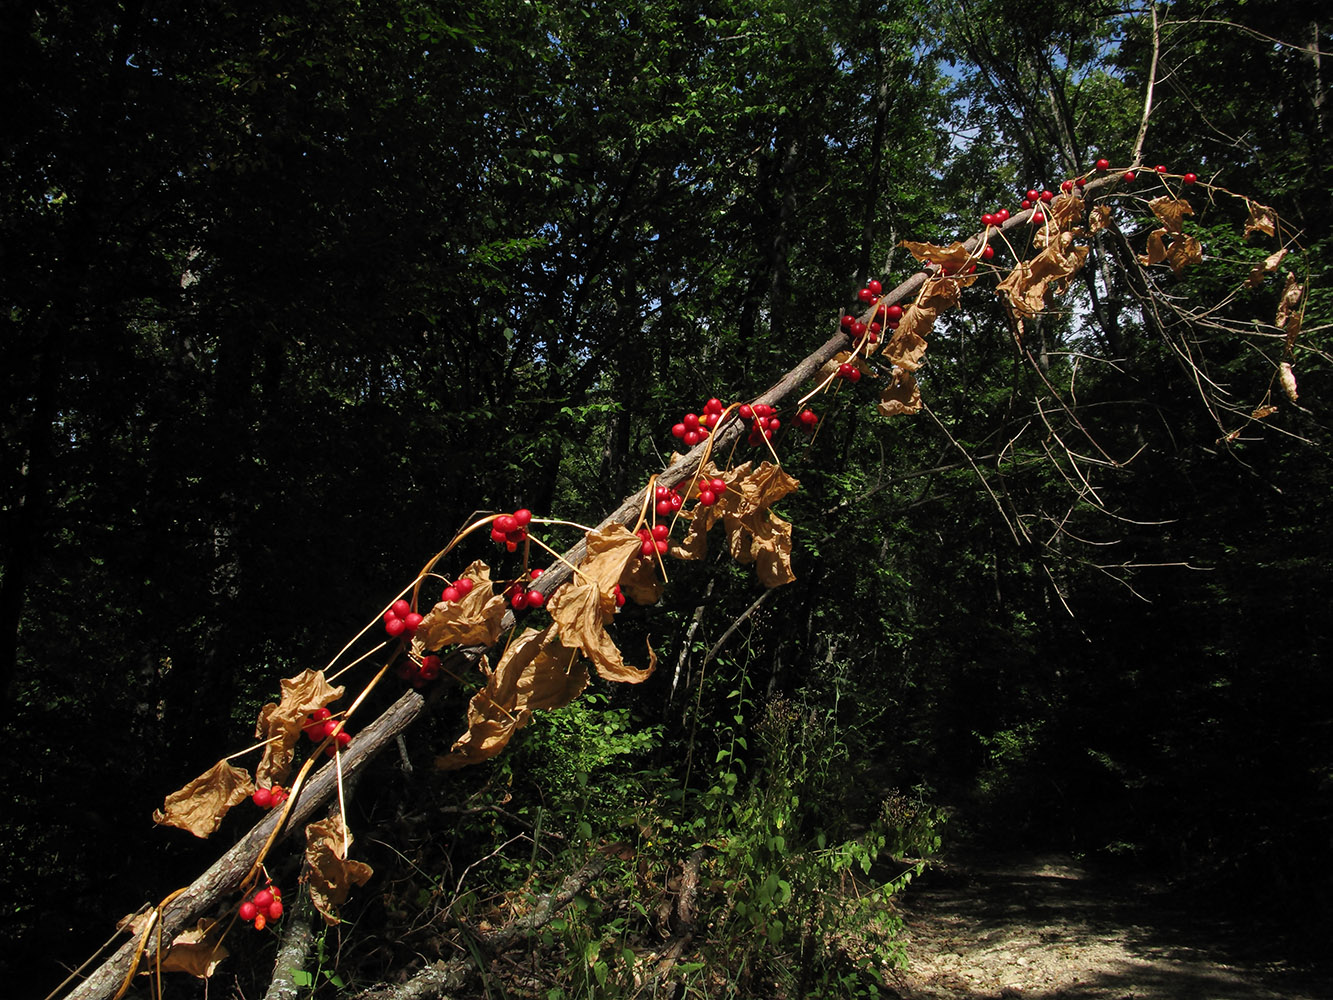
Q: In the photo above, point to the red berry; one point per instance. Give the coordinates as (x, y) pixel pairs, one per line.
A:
(328, 729)
(661, 545)
(1161, 168)
(1103, 164)
(660, 531)
(523, 516)
(519, 600)
(464, 585)
(262, 899)
(1129, 176)
(620, 598)
(707, 497)
(663, 507)
(1046, 196)
(1026, 203)
(1003, 215)
(430, 668)
(260, 921)
(536, 598)
(847, 321)
(713, 406)
(875, 286)
(746, 411)
(865, 295)
(1066, 186)
(717, 485)
(395, 627)
(410, 622)
(647, 548)
(988, 252)
(1080, 181)
(400, 608)
(1191, 178)
(262, 798)
(1038, 218)
(275, 910)
(894, 313)
(450, 595)
(511, 546)
(320, 714)
(987, 219)
(678, 430)
(675, 501)
(248, 911)
(1032, 194)
(506, 523)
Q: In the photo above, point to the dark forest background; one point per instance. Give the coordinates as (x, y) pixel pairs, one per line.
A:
(289, 291)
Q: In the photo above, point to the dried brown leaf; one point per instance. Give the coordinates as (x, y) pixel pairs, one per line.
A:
(197, 952)
(1269, 266)
(764, 539)
(1183, 252)
(535, 672)
(1288, 309)
(1065, 210)
(1263, 412)
(200, 805)
(329, 874)
(1098, 218)
(901, 397)
(1287, 376)
(472, 621)
(1171, 212)
(281, 723)
(1156, 249)
(955, 256)
(1262, 220)
(640, 582)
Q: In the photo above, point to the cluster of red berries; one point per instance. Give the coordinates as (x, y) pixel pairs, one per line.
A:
(417, 674)
(457, 590)
(653, 541)
(808, 420)
(267, 798)
(763, 423)
(995, 218)
(511, 529)
(694, 427)
(849, 371)
(264, 906)
(400, 621)
(520, 597)
(667, 499)
(710, 490)
(320, 725)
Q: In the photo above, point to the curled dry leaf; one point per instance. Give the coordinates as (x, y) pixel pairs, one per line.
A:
(474, 620)
(1171, 212)
(901, 397)
(281, 723)
(1287, 376)
(1065, 210)
(953, 257)
(582, 608)
(329, 874)
(535, 672)
(754, 533)
(640, 582)
(197, 951)
(1269, 266)
(1262, 220)
(764, 539)
(1288, 309)
(1099, 217)
(200, 805)
(1183, 252)
(1026, 289)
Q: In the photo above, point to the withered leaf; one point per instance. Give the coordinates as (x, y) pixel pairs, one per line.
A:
(1156, 249)
(764, 539)
(535, 672)
(200, 805)
(1183, 252)
(640, 582)
(1171, 212)
(1287, 376)
(195, 951)
(1288, 309)
(955, 256)
(902, 396)
(582, 607)
(1269, 266)
(329, 874)
(473, 620)
(1026, 289)
(1263, 412)
(1065, 210)
(1098, 218)
(281, 723)
(1262, 220)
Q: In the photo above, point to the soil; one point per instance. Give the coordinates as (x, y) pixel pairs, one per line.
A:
(1045, 926)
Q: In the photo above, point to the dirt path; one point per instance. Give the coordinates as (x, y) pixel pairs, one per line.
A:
(1045, 927)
